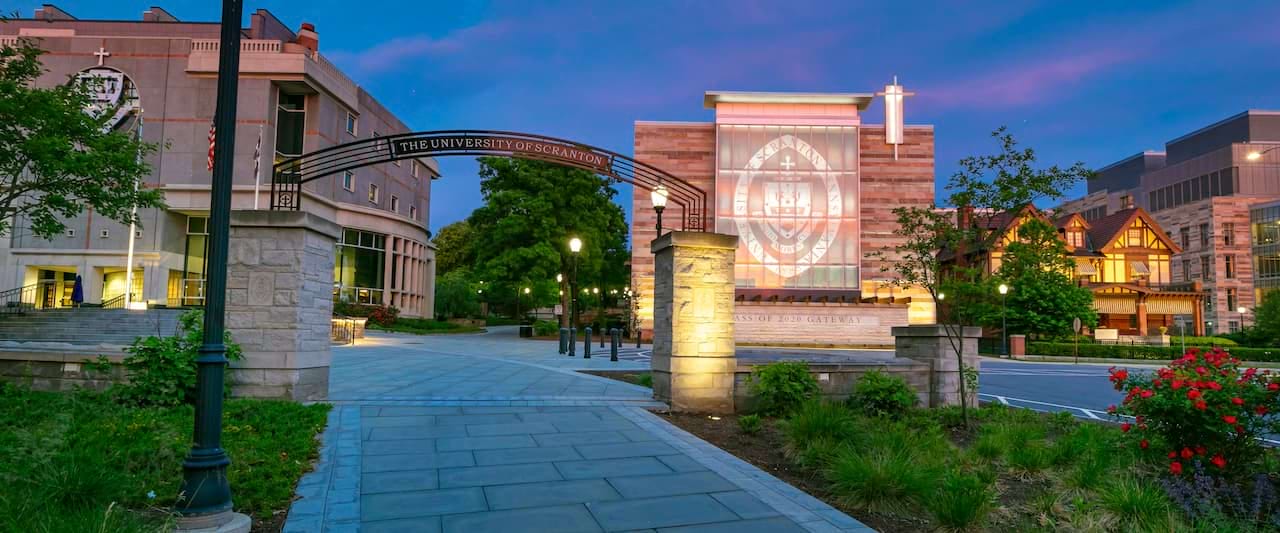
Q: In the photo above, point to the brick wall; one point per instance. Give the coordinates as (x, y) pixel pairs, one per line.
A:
(822, 324)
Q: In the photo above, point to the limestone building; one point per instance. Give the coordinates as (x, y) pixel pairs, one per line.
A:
(1201, 189)
(809, 190)
(290, 97)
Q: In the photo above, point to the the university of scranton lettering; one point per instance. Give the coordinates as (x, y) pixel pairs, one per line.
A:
(797, 218)
(110, 91)
(537, 149)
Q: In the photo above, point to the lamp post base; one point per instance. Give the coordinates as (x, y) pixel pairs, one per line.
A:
(224, 522)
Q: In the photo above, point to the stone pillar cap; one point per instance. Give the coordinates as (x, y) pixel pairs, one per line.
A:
(934, 330)
(694, 239)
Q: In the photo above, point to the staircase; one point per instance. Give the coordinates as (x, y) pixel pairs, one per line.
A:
(87, 326)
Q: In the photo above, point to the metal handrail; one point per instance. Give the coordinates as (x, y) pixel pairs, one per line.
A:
(114, 303)
(19, 300)
(342, 329)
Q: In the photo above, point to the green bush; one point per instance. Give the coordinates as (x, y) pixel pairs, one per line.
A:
(1151, 353)
(879, 480)
(750, 424)
(962, 502)
(1138, 506)
(162, 370)
(781, 387)
(645, 380)
(816, 421)
(879, 394)
(546, 328)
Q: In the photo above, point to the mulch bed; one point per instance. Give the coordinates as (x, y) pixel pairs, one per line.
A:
(765, 451)
(628, 376)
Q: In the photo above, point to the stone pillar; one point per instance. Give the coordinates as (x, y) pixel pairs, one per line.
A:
(929, 343)
(693, 351)
(279, 302)
(1018, 346)
(1142, 316)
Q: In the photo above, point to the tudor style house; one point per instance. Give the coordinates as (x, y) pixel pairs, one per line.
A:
(1122, 258)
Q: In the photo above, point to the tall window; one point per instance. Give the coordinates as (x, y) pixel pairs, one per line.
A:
(1204, 235)
(373, 193)
(1229, 264)
(395, 204)
(1231, 300)
(1185, 233)
(1228, 233)
(413, 212)
(1206, 267)
(352, 124)
(291, 118)
(1186, 270)
(359, 266)
(1075, 237)
(193, 264)
(349, 181)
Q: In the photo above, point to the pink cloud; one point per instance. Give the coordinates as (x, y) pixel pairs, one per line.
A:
(396, 52)
(1026, 83)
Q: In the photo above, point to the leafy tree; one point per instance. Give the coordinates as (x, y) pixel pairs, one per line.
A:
(1043, 299)
(531, 210)
(455, 297)
(989, 184)
(56, 159)
(455, 247)
(1266, 327)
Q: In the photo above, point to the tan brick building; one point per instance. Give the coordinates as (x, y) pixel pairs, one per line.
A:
(1201, 189)
(809, 189)
(290, 96)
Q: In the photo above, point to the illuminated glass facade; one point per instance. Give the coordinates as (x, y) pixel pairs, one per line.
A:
(359, 267)
(790, 193)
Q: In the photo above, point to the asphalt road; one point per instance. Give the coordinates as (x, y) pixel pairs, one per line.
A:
(1081, 389)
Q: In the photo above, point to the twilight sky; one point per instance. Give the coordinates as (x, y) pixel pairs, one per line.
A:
(1094, 85)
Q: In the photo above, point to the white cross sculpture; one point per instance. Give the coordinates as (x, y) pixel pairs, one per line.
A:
(787, 163)
(102, 54)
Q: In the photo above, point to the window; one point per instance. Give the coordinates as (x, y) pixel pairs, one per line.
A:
(373, 193)
(413, 212)
(1229, 264)
(359, 266)
(191, 290)
(1185, 233)
(349, 181)
(1233, 326)
(291, 118)
(71, 232)
(395, 204)
(413, 168)
(1204, 235)
(1206, 267)
(1134, 237)
(1186, 270)
(1228, 231)
(1075, 238)
(1231, 300)
(352, 124)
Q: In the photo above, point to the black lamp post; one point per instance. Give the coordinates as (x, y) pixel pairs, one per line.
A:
(206, 494)
(659, 198)
(575, 246)
(1004, 323)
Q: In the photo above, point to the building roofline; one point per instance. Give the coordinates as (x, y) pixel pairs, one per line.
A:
(113, 21)
(711, 98)
(1143, 153)
(1224, 121)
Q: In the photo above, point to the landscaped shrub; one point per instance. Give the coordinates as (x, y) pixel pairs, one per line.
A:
(750, 424)
(962, 501)
(1209, 498)
(1202, 407)
(781, 387)
(162, 370)
(818, 423)
(546, 328)
(878, 480)
(1150, 353)
(879, 394)
(1137, 506)
(384, 316)
(645, 380)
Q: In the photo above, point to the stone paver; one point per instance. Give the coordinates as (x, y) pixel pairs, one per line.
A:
(488, 433)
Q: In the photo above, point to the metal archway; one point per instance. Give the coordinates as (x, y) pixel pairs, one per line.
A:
(289, 175)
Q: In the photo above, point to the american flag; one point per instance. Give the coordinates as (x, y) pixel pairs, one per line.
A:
(213, 130)
(257, 153)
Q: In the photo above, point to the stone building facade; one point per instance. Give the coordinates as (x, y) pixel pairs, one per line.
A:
(1201, 189)
(290, 97)
(809, 189)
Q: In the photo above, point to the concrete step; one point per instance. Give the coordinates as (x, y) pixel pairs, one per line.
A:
(88, 326)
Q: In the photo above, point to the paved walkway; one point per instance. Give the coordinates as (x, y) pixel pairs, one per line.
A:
(491, 433)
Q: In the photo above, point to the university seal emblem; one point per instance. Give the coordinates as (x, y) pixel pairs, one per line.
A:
(787, 218)
(111, 93)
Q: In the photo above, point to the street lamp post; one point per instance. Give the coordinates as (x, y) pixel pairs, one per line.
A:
(205, 500)
(659, 198)
(1004, 322)
(1241, 311)
(575, 246)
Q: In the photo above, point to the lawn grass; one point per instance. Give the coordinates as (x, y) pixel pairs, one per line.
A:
(82, 462)
(424, 326)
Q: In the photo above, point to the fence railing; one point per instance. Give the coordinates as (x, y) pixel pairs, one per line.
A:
(114, 303)
(21, 299)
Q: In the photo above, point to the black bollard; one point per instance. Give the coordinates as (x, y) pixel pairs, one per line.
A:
(564, 340)
(586, 342)
(615, 339)
(602, 330)
(573, 341)
(636, 332)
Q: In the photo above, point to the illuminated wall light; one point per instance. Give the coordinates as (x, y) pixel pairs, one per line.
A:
(894, 96)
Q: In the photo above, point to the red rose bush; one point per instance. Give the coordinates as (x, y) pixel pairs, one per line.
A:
(1202, 408)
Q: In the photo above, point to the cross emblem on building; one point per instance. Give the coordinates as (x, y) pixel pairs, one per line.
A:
(102, 54)
(787, 163)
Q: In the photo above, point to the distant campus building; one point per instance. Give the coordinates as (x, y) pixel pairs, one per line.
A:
(290, 96)
(809, 189)
(1210, 191)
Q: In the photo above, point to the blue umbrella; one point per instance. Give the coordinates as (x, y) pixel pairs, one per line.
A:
(77, 293)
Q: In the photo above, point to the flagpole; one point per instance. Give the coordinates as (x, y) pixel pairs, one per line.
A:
(128, 267)
(257, 169)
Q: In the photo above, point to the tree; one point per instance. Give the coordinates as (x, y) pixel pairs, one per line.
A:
(1266, 327)
(56, 158)
(989, 184)
(1044, 300)
(455, 295)
(531, 210)
(455, 247)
